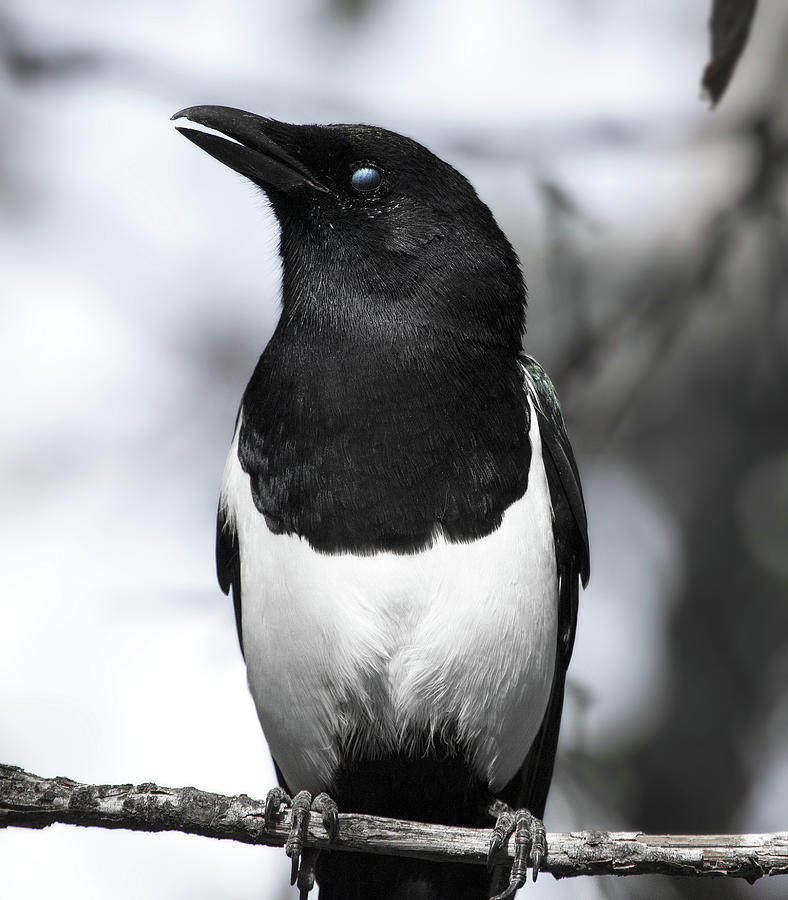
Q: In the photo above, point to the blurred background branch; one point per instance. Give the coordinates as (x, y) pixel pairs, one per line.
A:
(729, 28)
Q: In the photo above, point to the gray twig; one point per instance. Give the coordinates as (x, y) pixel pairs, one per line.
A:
(30, 801)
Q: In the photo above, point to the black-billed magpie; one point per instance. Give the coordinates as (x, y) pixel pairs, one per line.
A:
(401, 520)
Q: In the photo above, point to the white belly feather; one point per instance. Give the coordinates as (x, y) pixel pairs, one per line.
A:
(460, 634)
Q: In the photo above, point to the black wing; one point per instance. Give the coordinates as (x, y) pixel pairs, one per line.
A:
(228, 571)
(570, 529)
(228, 562)
(228, 565)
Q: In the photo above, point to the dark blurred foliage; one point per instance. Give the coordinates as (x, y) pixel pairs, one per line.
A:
(703, 414)
(351, 9)
(730, 27)
(25, 62)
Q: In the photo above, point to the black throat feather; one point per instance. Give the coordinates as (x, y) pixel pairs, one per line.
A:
(369, 448)
(376, 417)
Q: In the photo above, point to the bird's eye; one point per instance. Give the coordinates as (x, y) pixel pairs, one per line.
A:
(365, 178)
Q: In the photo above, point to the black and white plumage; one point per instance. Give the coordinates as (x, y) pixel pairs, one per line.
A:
(401, 521)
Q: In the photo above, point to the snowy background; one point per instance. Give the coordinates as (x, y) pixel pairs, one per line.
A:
(139, 282)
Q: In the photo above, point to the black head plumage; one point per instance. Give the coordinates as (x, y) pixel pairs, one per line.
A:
(396, 230)
(389, 404)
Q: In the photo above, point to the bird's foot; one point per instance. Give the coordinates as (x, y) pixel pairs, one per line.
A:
(303, 861)
(530, 845)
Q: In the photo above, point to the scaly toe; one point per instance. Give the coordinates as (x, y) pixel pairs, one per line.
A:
(530, 847)
(299, 823)
(504, 826)
(274, 800)
(538, 846)
(330, 813)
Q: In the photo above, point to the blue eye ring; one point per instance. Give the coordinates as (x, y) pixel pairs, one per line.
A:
(365, 178)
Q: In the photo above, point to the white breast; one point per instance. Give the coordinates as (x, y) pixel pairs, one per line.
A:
(461, 633)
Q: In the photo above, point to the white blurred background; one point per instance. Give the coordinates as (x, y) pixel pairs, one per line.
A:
(139, 283)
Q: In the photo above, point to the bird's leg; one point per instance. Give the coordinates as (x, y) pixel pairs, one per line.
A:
(306, 872)
(530, 844)
(303, 861)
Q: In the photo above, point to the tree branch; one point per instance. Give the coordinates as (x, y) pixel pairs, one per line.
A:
(30, 801)
(729, 28)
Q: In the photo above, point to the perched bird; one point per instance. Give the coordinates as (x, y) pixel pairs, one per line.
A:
(401, 520)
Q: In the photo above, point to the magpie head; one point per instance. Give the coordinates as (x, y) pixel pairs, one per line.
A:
(373, 225)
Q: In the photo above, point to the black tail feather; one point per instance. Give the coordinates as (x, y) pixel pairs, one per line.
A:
(356, 876)
(436, 785)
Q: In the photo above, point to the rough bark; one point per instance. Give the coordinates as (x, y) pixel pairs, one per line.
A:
(30, 801)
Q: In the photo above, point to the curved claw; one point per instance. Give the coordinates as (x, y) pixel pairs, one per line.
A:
(504, 826)
(538, 850)
(330, 813)
(495, 845)
(273, 802)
